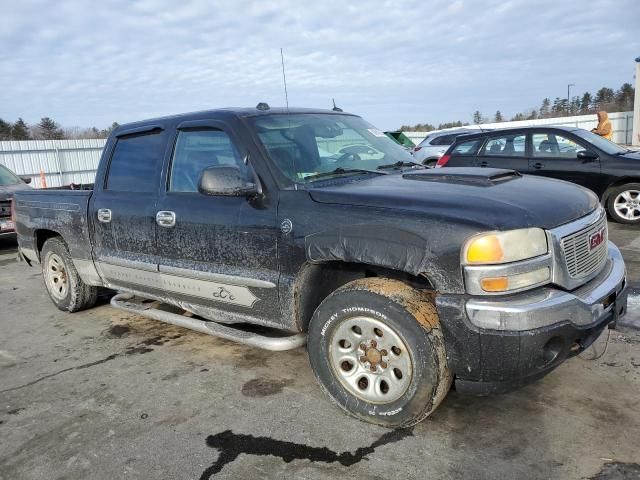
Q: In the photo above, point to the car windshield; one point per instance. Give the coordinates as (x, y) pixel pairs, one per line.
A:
(308, 147)
(603, 144)
(7, 177)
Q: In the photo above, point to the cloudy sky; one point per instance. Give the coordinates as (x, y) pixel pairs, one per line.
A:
(89, 63)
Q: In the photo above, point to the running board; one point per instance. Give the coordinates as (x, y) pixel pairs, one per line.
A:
(122, 301)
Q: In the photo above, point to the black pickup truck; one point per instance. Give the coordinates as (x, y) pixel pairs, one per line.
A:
(277, 227)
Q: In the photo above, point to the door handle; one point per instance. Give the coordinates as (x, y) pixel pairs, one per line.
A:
(483, 164)
(104, 215)
(166, 219)
(538, 165)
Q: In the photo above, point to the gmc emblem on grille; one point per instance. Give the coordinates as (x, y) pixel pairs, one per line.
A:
(597, 238)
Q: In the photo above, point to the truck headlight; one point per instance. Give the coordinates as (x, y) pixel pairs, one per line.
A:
(495, 248)
(504, 262)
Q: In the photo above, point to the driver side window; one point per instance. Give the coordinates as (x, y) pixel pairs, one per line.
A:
(554, 145)
(196, 150)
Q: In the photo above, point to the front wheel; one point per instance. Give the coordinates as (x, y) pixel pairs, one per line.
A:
(65, 287)
(624, 203)
(376, 348)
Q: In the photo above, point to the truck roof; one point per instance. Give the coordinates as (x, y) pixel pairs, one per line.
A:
(229, 111)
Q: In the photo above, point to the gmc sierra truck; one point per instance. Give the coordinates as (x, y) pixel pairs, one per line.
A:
(280, 227)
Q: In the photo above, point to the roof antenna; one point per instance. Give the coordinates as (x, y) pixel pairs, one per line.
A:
(335, 109)
(284, 80)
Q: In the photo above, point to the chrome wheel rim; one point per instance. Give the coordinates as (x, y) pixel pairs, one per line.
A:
(56, 277)
(627, 205)
(370, 360)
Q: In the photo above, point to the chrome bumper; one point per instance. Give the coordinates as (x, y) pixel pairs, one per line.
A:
(603, 296)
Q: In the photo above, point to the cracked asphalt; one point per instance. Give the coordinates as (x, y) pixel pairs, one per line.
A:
(103, 394)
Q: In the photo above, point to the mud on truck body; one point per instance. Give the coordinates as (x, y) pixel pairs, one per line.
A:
(400, 279)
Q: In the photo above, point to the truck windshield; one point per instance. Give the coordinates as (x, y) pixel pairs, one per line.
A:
(7, 177)
(602, 143)
(311, 147)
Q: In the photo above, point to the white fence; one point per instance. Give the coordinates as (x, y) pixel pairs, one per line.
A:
(622, 123)
(61, 162)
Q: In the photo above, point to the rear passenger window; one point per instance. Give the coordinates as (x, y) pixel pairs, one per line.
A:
(196, 150)
(466, 148)
(507, 146)
(135, 163)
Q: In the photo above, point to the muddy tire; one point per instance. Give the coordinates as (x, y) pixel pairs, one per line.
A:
(623, 203)
(65, 287)
(376, 348)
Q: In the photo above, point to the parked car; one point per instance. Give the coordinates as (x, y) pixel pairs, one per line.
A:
(9, 184)
(565, 153)
(434, 145)
(401, 279)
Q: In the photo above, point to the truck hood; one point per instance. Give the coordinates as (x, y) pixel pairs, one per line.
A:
(497, 199)
(6, 191)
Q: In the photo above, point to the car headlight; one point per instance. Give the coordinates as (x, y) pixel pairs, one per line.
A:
(504, 262)
(504, 247)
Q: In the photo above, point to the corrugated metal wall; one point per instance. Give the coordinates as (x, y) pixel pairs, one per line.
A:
(62, 161)
(622, 123)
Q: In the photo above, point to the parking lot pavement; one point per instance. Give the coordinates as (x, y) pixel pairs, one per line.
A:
(104, 394)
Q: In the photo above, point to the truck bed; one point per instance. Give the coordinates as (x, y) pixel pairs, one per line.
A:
(41, 214)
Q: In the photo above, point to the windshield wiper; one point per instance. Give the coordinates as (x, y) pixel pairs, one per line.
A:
(343, 171)
(401, 163)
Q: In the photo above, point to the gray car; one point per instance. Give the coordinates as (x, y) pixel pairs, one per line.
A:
(429, 151)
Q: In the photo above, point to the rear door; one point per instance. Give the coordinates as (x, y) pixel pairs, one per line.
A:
(123, 208)
(505, 151)
(555, 154)
(216, 251)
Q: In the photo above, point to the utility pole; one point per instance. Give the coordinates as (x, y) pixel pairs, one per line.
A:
(636, 108)
(569, 96)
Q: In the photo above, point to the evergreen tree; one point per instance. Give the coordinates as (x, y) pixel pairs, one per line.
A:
(477, 117)
(574, 106)
(624, 97)
(49, 129)
(545, 108)
(604, 98)
(5, 130)
(585, 103)
(20, 130)
(518, 117)
(498, 117)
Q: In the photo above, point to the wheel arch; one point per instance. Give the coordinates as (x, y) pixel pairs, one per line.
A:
(41, 236)
(316, 281)
(619, 182)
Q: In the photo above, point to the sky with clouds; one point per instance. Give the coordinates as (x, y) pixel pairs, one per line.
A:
(394, 62)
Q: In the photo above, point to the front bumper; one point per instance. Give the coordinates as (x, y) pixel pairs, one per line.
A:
(500, 343)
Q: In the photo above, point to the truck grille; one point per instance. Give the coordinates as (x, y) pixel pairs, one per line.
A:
(585, 251)
(5, 209)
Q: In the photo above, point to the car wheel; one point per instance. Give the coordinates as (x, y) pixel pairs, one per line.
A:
(430, 163)
(376, 348)
(623, 203)
(65, 287)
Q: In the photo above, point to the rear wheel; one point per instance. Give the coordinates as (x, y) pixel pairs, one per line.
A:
(430, 163)
(624, 203)
(65, 287)
(376, 348)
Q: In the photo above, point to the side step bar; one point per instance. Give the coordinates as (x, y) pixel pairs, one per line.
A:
(123, 301)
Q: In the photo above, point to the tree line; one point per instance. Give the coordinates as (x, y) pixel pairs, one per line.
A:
(49, 129)
(605, 98)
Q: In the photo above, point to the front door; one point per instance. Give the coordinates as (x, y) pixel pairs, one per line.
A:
(555, 155)
(504, 151)
(216, 251)
(123, 210)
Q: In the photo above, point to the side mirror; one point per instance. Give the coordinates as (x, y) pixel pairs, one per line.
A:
(26, 179)
(225, 180)
(587, 155)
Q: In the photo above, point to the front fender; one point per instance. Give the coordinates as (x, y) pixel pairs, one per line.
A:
(375, 245)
